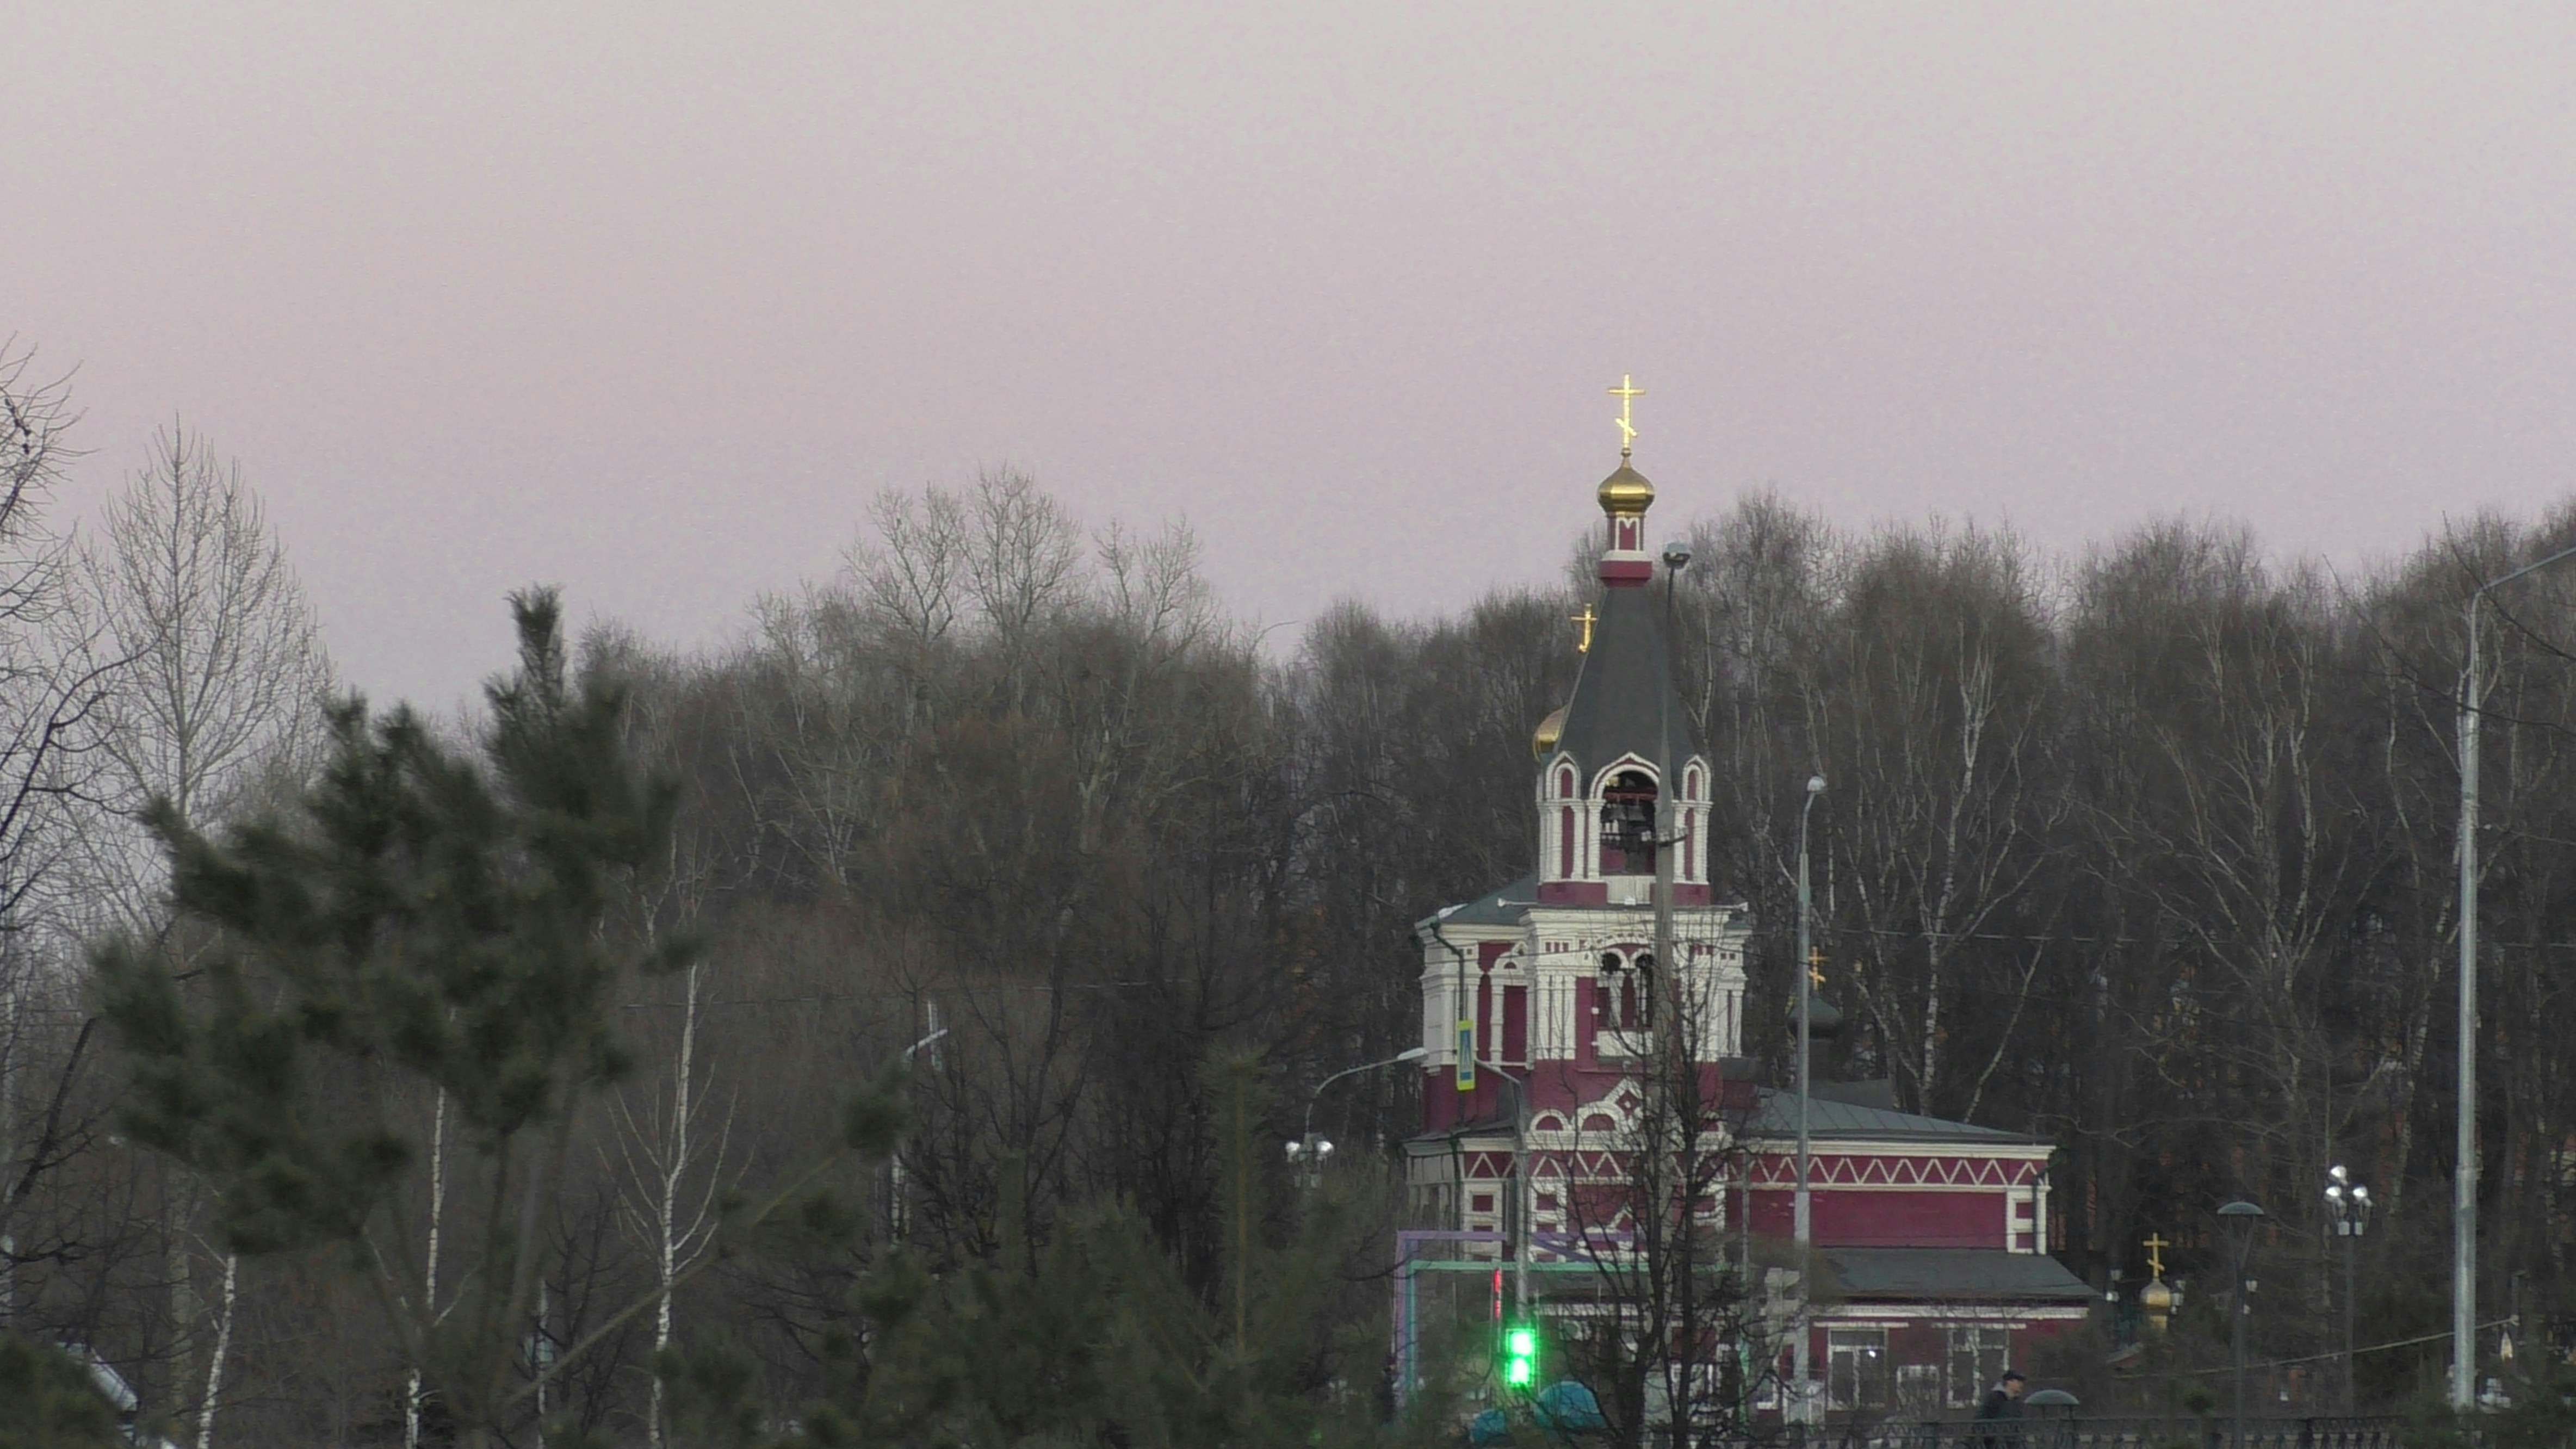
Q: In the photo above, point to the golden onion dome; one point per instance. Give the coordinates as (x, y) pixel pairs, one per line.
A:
(1626, 493)
(1550, 730)
(2156, 1297)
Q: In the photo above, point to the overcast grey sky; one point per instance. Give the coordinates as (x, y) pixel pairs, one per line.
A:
(646, 300)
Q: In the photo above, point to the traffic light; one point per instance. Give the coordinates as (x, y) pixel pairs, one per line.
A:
(1520, 1356)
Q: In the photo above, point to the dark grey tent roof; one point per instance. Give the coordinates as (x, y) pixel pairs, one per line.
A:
(1953, 1274)
(1624, 701)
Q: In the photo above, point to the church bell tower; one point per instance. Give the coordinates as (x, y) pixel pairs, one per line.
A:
(1545, 997)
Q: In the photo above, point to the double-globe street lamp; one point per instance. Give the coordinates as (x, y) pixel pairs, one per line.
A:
(2348, 1203)
(1310, 1149)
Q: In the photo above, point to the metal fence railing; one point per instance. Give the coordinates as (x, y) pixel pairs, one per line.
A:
(2050, 1432)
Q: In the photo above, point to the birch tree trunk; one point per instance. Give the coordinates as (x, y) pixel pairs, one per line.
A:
(429, 1265)
(215, 1361)
(674, 1168)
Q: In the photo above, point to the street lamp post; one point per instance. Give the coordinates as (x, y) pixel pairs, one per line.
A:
(2464, 1179)
(2240, 1219)
(2348, 1203)
(898, 1200)
(1677, 556)
(1800, 1210)
(1312, 1150)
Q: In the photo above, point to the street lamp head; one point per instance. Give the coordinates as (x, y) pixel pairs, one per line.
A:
(2337, 1175)
(1412, 1054)
(2241, 1211)
(2361, 1195)
(1677, 555)
(2334, 1193)
(1815, 784)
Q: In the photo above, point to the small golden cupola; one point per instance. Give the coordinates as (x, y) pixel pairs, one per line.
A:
(1549, 731)
(1626, 493)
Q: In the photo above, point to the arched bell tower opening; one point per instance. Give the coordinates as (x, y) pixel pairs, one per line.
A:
(1628, 824)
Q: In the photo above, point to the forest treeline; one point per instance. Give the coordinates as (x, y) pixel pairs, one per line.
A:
(2148, 851)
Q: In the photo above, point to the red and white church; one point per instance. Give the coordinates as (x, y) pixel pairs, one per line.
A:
(1932, 1237)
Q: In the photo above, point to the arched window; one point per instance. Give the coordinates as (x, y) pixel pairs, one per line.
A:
(1565, 783)
(1623, 996)
(1565, 843)
(1628, 824)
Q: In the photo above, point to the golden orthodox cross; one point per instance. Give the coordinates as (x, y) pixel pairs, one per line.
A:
(1587, 619)
(1816, 965)
(1625, 392)
(2156, 1246)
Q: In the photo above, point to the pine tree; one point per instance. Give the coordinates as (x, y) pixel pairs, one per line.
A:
(424, 925)
(48, 1401)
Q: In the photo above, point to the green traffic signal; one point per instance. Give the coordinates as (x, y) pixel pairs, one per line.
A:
(1520, 1356)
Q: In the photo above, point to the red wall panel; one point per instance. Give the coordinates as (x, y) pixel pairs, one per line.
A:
(1888, 1217)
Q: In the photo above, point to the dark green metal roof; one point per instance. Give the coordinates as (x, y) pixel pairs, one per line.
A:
(1953, 1274)
(1503, 907)
(1827, 1120)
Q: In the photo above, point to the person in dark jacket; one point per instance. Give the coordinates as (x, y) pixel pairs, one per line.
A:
(2002, 1404)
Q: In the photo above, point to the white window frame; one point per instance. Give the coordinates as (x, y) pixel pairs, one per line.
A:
(1976, 1355)
(1855, 1362)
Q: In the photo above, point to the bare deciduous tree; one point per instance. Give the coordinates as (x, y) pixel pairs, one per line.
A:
(219, 688)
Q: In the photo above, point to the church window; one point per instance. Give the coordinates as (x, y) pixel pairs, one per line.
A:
(1565, 783)
(1565, 842)
(1516, 1025)
(1856, 1368)
(1628, 824)
(1979, 1354)
(1641, 1003)
(1606, 992)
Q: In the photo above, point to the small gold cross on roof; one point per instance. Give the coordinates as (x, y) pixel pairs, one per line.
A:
(1587, 619)
(2155, 1246)
(1625, 392)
